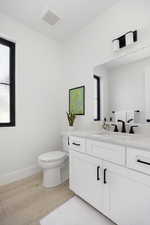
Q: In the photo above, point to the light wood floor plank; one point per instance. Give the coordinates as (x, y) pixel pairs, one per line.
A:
(25, 202)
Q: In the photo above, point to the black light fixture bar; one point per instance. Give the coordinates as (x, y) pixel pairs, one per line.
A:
(122, 39)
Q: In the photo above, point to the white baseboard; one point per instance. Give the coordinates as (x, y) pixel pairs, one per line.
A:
(19, 174)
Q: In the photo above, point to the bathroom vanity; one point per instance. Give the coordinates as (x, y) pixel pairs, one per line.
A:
(112, 173)
(111, 170)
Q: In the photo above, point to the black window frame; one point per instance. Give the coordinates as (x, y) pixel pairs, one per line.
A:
(98, 118)
(12, 47)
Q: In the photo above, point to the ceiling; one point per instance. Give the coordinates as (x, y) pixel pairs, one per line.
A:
(73, 14)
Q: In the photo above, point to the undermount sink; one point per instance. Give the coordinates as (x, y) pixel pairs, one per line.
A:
(113, 135)
(121, 137)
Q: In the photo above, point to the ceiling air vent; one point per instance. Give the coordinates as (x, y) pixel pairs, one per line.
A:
(50, 18)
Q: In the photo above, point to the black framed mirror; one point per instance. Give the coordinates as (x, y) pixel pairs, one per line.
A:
(7, 83)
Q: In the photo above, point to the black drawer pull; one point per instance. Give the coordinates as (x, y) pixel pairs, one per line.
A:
(75, 144)
(105, 182)
(68, 141)
(146, 163)
(98, 170)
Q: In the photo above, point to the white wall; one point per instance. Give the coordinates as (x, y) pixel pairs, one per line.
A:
(39, 99)
(93, 44)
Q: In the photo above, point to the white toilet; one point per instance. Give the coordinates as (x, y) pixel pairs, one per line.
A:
(55, 165)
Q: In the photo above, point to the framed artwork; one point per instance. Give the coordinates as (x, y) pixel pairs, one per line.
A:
(77, 100)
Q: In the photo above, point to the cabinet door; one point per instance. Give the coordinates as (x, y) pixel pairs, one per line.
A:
(128, 196)
(86, 178)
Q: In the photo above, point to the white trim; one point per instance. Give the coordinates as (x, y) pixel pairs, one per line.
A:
(19, 174)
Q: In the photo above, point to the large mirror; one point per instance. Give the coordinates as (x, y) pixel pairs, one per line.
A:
(125, 89)
(7, 83)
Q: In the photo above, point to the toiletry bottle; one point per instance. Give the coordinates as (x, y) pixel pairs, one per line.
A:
(104, 124)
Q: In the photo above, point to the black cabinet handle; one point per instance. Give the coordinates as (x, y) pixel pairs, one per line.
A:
(75, 144)
(68, 141)
(98, 170)
(140, 161)
(105, 182)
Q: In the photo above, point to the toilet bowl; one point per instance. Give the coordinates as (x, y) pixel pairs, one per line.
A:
(53, 163)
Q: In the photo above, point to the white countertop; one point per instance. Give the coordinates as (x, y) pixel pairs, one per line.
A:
(128, 140)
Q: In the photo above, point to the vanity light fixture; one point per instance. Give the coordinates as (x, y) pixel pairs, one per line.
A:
(125, 40)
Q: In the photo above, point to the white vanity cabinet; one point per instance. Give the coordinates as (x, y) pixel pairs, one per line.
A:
(138, 160)
(119, 192)
(107, 151)
(77, 143)
(86, 178)
(128, 196)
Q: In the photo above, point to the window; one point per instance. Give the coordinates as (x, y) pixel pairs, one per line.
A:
(97, 109)
(7, 83)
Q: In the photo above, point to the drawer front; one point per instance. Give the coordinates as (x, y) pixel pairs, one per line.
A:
(77, 143)
(109, 152)
(138, 159)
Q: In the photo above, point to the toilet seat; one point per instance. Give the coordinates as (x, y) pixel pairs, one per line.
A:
(52, 156)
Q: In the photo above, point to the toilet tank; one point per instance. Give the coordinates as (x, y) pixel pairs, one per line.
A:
(65, 143)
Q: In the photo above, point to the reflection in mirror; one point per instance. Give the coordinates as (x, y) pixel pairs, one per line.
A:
(7, 83)
(126, 90)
